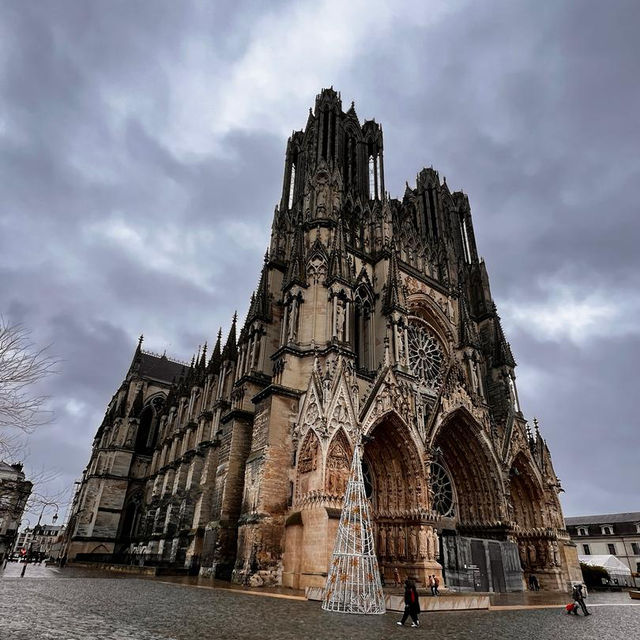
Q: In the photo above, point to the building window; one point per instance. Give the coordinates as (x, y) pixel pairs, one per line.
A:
(612, 549)
(635, 548)
(372, 178)
(582, 532)
(292, 182)
(465, 242)
(587, 551)
(606, 531)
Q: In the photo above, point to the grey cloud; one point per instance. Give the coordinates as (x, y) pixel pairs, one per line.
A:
(529, 109)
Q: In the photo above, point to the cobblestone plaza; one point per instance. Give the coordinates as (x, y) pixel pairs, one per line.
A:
(49, 604)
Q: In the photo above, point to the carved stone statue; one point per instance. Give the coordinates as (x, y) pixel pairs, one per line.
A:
(293, 321)
(413, 544)
(424, 543)
(382, 541)
(402, 542)
(322, 193)
(340, 321)
(391, 542)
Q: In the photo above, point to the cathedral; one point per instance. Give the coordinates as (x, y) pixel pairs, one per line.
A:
(372, 325)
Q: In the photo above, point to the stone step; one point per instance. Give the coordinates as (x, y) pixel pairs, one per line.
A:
(393, 602)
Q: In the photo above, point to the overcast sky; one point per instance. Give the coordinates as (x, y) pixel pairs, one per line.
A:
(141, 156)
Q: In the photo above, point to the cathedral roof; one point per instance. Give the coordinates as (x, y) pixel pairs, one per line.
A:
(159, 367)
(606, 518)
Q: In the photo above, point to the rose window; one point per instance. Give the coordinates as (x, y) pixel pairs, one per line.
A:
(425, 355)
(441, 490)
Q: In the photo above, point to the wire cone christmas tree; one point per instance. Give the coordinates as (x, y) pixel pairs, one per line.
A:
(353, 584)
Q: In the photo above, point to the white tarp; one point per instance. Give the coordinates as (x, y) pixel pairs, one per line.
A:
(610, 563)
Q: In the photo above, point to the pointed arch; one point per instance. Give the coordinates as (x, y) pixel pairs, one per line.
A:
(396, 467)
(147, 433)
(476, 473)
(340, 411)
(526, 492)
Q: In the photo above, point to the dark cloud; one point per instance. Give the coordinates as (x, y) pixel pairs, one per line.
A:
(141, 155)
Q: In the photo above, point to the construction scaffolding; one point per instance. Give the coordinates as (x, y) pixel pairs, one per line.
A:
(353, 582)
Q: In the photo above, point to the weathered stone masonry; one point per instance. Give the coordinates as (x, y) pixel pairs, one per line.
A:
(371, 314)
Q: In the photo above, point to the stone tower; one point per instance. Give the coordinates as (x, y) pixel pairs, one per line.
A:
(371, 315)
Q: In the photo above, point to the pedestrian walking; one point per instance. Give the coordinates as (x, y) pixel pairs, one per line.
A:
(578, 596)
(432, 585)
(436, 580)
(411, 604)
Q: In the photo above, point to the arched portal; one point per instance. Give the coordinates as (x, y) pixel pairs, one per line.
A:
(527, 498)
(396, 481)
(474, 472)
(468, 493)
(537, 545)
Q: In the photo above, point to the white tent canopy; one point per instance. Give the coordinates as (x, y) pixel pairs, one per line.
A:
(610, 563)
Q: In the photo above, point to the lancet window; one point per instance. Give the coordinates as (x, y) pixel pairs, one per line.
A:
(363, 329)
(465, 241)
(292, 182)
(372, 178)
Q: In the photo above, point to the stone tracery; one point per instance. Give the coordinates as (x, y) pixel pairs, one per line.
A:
(426, 356)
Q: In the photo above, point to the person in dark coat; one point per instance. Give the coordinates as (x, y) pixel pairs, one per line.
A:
(411, 604)
(578, 596)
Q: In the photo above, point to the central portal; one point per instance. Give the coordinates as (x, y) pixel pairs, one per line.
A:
(396, 484)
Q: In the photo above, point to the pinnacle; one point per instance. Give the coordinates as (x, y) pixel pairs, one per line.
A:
(230, 351)
(394, 297)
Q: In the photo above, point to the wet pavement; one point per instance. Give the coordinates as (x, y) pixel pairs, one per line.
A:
(77, 604)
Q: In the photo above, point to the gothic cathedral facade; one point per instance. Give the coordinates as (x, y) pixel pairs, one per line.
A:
(372, 323)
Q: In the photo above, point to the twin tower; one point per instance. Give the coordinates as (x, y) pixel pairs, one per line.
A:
(372, 324)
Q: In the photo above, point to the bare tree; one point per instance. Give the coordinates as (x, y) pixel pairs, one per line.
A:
(22, 366)
(22, 410)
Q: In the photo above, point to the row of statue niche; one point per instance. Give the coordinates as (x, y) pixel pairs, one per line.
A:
(543, 553)
(407, 542)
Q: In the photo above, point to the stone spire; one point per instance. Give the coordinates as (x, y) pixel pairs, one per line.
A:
(230, 351)
(468, 334)
(136, 361)
(296, 271)
(339, 265)
(201, 366)
(394, 298)
(216, 357)
(501, 348)
(260, 307)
